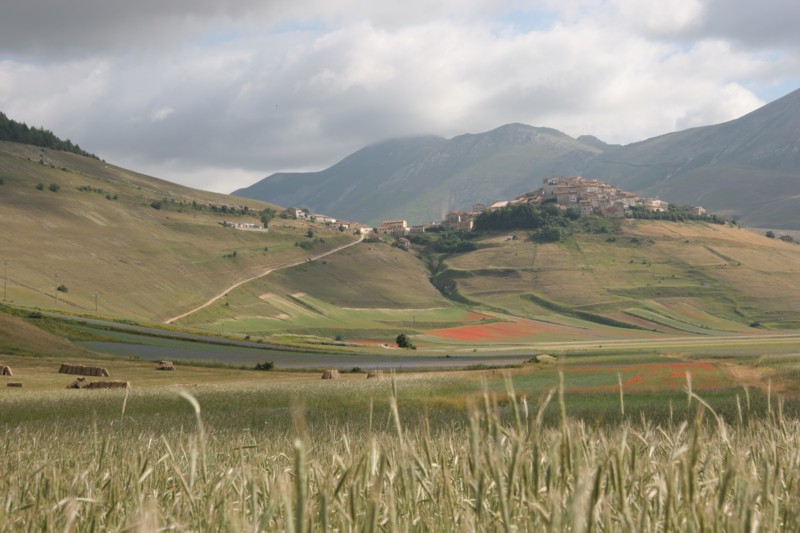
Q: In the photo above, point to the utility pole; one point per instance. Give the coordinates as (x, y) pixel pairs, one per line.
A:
(5, 280)
(55, 289)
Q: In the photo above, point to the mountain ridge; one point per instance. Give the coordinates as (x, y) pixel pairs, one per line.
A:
(748, 168)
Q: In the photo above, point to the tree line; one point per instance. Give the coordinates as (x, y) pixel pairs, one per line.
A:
(11, 130)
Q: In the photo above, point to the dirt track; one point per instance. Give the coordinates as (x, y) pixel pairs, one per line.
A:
(266, 272)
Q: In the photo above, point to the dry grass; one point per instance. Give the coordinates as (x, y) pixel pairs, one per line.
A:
(501, 468)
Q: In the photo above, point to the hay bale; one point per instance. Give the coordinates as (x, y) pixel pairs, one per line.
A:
(5, 371)
(545, 358)
(165, 365)
(109, 385)
(12, 384)
(375, 374)
(82, 383)
(331, 374)
(82, 370)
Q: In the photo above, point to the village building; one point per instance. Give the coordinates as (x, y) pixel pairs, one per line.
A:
(296, 213)
(394, 227)
(698, 210)
(419, 228)
(655, 205)
(459, 220)
(325, 219)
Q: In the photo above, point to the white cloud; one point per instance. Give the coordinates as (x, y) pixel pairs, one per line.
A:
(161, 113)
(244, 88)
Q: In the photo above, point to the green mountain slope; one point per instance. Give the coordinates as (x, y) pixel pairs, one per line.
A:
(748, 168)
(422, 178)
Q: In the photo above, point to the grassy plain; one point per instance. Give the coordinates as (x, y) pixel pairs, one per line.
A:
(232, 450)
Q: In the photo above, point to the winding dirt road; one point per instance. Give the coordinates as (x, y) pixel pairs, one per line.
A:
(266, 272)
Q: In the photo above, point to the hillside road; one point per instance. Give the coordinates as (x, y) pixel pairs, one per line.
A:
(258, 276)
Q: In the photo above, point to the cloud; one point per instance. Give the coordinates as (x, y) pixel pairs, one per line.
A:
(161, 113)
(211, 93)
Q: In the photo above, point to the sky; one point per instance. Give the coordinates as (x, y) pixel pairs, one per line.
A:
(219, 94)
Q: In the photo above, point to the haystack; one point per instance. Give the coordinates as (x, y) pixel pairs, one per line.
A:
(82, 370)
(375, 374)
(5, 371)
(109, 385)
(81, 383)
(165, 365)
(331, 374)
(545, 358)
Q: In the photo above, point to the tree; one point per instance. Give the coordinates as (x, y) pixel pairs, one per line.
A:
(403, 341)
(267, 215)
(770, 234)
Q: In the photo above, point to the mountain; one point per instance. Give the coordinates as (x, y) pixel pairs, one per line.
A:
(748, 168)
(422, 178)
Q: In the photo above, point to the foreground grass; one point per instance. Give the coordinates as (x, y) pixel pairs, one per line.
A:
(371, 455)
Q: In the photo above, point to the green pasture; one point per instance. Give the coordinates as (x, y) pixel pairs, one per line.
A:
(698, 278)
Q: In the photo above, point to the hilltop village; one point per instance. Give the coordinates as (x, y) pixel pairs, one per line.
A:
(586, 197)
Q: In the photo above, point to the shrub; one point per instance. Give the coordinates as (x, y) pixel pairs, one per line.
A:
(62, 288)
(35, 314)
(268, 365)
(54, 187)
(40, 186)
(155, 204)
(403, 341)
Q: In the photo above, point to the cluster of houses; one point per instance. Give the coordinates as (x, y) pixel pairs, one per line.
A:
(304, 214)
(588, 197)
(241, 225)
(585, 196)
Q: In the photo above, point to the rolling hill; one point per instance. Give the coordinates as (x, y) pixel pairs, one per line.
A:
(83, 236)
(748, 168)
(80, 235)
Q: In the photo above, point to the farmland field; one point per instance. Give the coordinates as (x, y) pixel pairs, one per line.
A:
(230, 449)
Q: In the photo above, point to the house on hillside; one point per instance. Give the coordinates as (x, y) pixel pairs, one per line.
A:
(655, 205)
(296, 213)
(394, 227)
(459, 220)
(699, 210)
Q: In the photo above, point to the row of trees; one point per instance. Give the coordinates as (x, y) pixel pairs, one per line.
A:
(675, 213)
(11, 130)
